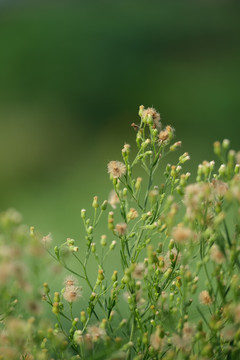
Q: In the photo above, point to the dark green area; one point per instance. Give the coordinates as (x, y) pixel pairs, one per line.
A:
(72, 75)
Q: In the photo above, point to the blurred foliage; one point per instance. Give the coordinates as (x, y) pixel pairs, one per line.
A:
(72, 75)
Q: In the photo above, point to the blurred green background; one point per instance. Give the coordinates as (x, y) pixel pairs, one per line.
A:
(72, 75)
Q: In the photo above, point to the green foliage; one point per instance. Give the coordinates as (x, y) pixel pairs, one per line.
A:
(162, 282)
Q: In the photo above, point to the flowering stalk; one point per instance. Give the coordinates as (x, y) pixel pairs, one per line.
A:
(175, 287)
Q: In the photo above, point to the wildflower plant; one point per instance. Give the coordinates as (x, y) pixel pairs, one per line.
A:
(165, 281)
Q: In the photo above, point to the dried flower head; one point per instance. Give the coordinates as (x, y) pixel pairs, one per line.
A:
(181, 234)
(70, 281)
(220, 188)
(113, 199)
(138, 271)
(154, 114)
(46, 240)
(121, 229)
(170, 258)
(228, 332)
(195, 198)
(126, 148)
(78, 337)
(116, 169)
(156, 341)
(217, 255)
(96, 333)
(236, 312)
(182, 343)
(132, 214)
(165, 134)
(205, 298)
(188, 330)
(72, 293)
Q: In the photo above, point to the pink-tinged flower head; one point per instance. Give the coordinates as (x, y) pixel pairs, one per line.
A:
(121, 229)
(181, 234)
(113, 199)
(216, 255)
(205, 298)
(72, 293)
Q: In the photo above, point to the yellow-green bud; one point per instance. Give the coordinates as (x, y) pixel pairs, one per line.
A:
(237, 169)
(217, 148)
(171, 244)
(56, 297)
(90, 230)
(93, 296)
(115, 276)
(93, 247)
(55, 308)
(56, 250)
(113, 245)
(95, 204)
(138, 183)
(110, 220)
(175, 146)
(225, 144)
(104, 205)
(46, 288)
(32, 231)
(222, 170)
(103, 241)
(83, 213)
(83, 317)
(140, 112)
(100, 275)
(178, 282)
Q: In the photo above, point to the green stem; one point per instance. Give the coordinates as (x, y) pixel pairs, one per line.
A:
(148, 188)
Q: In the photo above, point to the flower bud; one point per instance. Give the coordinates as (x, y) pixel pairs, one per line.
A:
(110, 220)
(56, 250)
(237, 169)
(225, 144)
(217, 148)
(70, 241)
(83, 317)
(93, 296)
(93, 247)
(115, 276)
(140, 112)
(113, 245)
(183, 158)
(46, 288)
(95, 203)
(175, 146)
(32, 231)
(104, 205)
(103, 241)
(171, 244)
(56, 297)
(122, 323)
(100, 275)
(138, 183)
(90, 230)
(222, 170)
(83, 213)
(55, 308)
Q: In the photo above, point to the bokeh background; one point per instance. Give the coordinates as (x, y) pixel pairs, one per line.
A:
(72, 75)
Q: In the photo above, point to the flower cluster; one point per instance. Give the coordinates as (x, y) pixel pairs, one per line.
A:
(162, 281)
